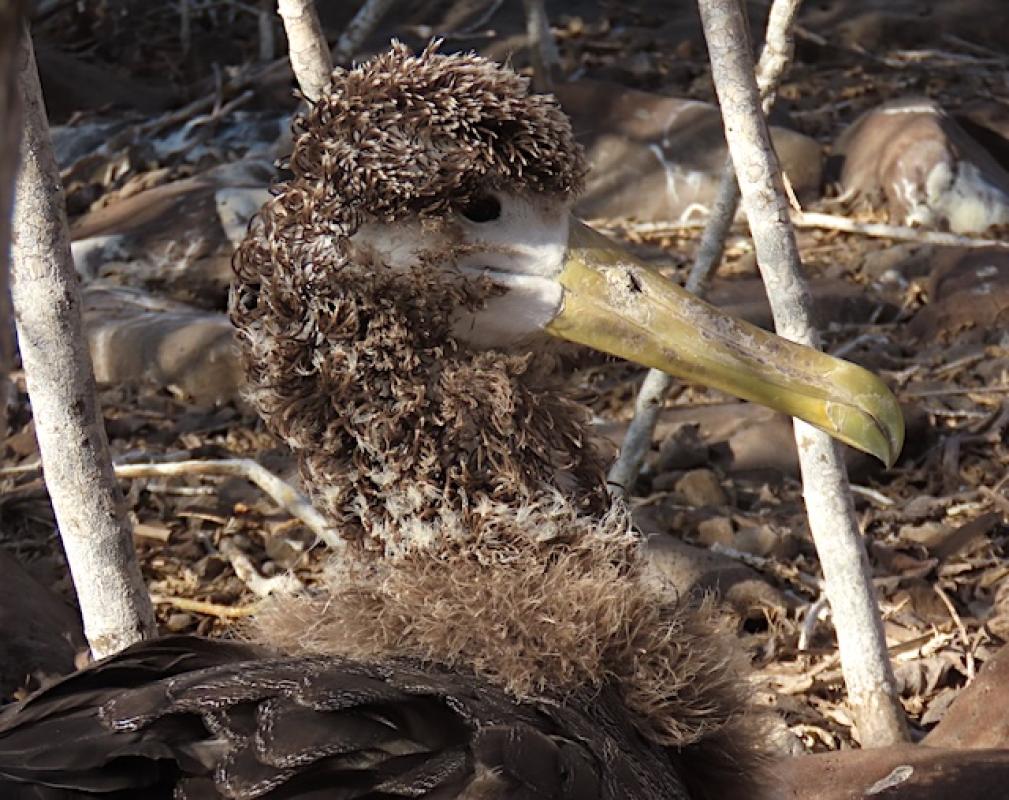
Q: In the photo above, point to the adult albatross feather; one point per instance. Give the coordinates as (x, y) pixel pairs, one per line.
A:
(491, 628)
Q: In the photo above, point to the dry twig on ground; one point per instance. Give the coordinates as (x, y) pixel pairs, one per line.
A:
(809, 219)
(283, 494)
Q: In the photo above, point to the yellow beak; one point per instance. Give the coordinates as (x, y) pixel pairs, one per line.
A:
(616, 304)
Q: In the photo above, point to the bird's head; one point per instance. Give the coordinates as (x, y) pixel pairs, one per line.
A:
(446, 186)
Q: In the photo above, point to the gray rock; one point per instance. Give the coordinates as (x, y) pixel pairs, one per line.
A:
(135, 337)
(176, 238)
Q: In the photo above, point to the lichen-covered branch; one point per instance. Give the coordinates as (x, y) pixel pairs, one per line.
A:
(306, 46)
(864, 659)
(89, 507)
(774, 61)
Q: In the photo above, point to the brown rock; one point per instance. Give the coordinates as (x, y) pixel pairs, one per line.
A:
(71, 84)
(654, 157)
(906, 24)
(715, 530)
(693, 571)
(683, 448)
(179, 622)
(700, 488)
(900, 772)
(967, 289)
(757, 540)
(978, 718)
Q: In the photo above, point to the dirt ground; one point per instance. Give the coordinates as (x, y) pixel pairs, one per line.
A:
(935, 524)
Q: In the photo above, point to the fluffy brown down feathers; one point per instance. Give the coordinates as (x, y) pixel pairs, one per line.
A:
(352, 363)
(407, 438)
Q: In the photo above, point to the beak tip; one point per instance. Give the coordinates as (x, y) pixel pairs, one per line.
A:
(869, 418)
(888, 421)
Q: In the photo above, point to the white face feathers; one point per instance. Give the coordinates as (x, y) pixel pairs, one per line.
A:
(517, 241)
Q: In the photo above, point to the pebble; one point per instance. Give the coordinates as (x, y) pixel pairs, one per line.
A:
(700, 488)
(179, 622)
(715, 530)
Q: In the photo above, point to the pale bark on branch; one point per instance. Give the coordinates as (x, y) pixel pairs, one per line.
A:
(774, 61)
(360, 28)
(306, 46)
(861, 643)
(89, 507)
(542, 47)
(10, 139)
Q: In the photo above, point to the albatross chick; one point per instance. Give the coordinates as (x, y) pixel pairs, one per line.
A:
(491, 628)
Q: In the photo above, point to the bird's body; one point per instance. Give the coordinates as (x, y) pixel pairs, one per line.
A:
(190, 718)
(491, 629)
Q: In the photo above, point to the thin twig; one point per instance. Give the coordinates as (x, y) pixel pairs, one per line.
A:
(542, 48)
(964, 636)
(810, 622)
(769, 566)
(813, 219)
(360, 28)
(247, 573)
(203, 607)
(955, 391)
(282, 493)
(866, 491)
(771, 67)
(809, 219)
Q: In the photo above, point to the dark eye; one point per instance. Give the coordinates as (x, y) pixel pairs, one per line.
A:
(482, 208)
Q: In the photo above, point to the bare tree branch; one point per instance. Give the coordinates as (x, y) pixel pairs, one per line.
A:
(267, 35)
(774, 62)
(542, 47)
(68, 424)
(306, 46)
(862, 646)
(10, 140)
(364, 22)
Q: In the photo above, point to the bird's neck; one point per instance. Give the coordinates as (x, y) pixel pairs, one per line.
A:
(405, 437)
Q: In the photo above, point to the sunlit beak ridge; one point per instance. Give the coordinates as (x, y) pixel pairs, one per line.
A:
(616, 304)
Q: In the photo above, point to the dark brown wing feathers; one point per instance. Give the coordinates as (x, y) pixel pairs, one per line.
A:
(189, 718)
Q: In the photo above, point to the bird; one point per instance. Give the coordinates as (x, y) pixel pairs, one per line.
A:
(490, 626)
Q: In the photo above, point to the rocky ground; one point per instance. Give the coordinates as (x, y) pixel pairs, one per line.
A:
(168, 133)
